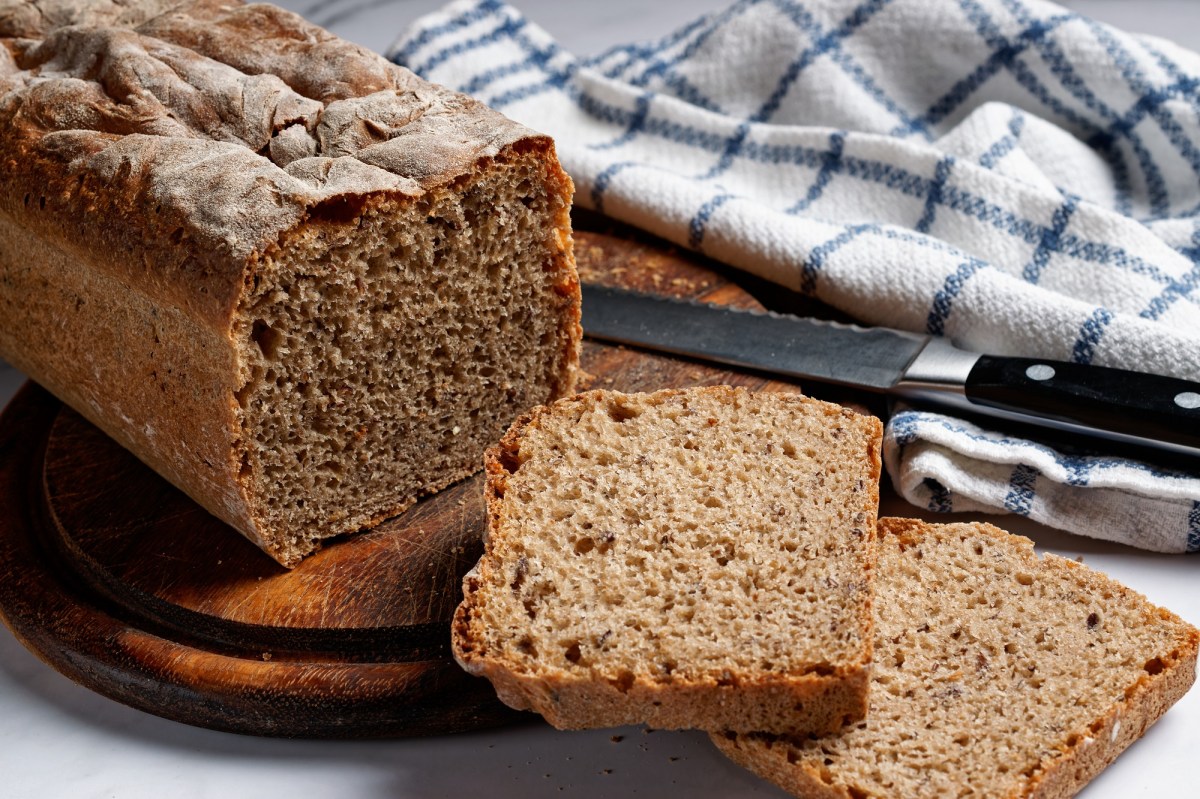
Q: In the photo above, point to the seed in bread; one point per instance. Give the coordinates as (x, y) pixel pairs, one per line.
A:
(688, 558)
(997, 673)
(298, 281)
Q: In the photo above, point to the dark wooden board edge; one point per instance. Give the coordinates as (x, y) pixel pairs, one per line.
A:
(376, 644)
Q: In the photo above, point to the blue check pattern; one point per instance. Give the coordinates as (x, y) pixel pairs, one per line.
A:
(947, 465)
(1016, 177)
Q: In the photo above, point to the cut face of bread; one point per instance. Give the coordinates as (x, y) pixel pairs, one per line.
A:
(997, 673)
(696, 558)
(380, 365)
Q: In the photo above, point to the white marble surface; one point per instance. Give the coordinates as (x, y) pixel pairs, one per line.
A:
(58, 739)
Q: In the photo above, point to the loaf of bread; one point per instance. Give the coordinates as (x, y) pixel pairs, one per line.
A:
(301, 283)
(697, 558)
(997, 674)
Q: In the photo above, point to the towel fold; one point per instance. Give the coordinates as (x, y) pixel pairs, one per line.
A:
(1016, 177)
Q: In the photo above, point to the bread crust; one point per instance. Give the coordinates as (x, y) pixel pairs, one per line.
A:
(154, 156)
(1081, 754)
(1065, 773)
(821, 700)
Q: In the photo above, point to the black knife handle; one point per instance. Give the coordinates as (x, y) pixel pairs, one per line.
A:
(1129, 403)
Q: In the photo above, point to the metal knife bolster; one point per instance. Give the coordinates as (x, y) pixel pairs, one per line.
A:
(939, 370)
(938, 377)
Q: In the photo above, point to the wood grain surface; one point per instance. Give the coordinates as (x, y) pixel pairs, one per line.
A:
(122, 583)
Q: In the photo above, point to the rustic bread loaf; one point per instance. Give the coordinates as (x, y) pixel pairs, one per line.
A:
(298, 281)
(997, 673)
(696, 558)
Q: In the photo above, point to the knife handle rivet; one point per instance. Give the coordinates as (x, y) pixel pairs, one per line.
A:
(1040, 371)
(1187, 399)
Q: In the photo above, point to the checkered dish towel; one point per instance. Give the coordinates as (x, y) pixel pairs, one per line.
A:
(1008, 174)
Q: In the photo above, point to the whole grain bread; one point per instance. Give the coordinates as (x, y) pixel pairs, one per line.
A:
(688, 558)
(997, 674)
(298, 281)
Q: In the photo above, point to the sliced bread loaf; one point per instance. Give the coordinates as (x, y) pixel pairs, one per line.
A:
(697, 558)
(301, 283)
(997, 673)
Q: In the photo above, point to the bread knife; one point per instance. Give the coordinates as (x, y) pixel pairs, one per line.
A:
(1102, 404)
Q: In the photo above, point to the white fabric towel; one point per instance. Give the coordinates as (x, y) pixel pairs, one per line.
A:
(1016, 177)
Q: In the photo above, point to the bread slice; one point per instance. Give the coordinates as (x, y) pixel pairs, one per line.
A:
(298, 281)
(697, 558)
(997, 673)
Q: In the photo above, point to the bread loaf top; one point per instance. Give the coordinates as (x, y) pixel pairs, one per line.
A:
(130, 128)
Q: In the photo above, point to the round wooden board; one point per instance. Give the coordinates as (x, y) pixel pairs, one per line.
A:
(122, 583)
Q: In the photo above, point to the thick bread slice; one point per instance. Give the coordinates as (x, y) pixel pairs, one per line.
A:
(696, 558)
(997, 674)
(298, 281)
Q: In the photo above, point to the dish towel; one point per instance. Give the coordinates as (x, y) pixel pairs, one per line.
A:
(1005, 173)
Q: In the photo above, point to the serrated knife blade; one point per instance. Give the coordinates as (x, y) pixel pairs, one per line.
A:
(1113, 405)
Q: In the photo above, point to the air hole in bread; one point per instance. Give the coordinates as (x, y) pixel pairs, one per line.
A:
(243, 394)
(510, 460)
(377, 265)
(621, 413)
(624, 681)
(520, 572)
(267, 339)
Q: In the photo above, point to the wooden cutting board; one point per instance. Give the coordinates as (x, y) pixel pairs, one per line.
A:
(122, 583)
